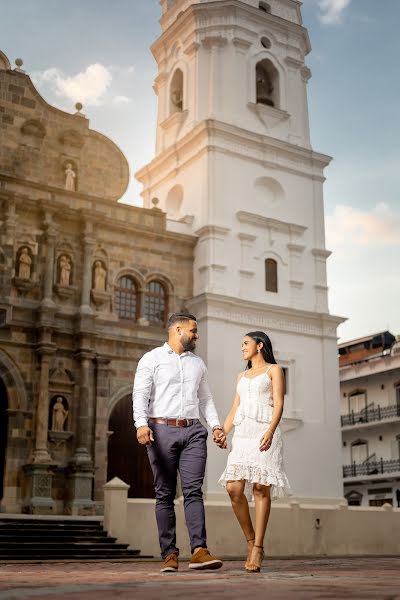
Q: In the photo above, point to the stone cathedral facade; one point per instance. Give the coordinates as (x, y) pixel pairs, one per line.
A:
(86, 285)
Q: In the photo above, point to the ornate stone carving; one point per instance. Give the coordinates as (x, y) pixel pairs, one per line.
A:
(72, 138)
(34, 128)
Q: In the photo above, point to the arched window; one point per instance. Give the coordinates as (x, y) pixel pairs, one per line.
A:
(264, 6)
(176, 92)
(126, 298)
(155, 308)
(267, 88)
(271, 275)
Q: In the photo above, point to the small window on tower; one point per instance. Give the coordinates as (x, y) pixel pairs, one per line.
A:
(176, 92)
(267, 88)
(264, 6)
(271, 275)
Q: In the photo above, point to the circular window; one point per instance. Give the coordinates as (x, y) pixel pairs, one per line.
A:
(265, 42)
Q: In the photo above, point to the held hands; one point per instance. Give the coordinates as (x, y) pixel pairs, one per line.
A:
(145, 435)
(266, 441)
(219, 438)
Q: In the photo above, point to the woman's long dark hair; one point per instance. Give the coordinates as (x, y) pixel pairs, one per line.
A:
(266, 350)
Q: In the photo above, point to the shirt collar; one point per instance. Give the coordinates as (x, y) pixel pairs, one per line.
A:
(168, 348)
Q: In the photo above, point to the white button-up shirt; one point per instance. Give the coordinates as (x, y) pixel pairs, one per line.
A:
(173, 386)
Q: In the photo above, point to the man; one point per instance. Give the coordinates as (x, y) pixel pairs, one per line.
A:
(170, 389)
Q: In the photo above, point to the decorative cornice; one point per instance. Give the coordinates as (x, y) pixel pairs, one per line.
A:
(321, 253)
(224, 137)
(266, 316)
(268, 223)
(212, 230)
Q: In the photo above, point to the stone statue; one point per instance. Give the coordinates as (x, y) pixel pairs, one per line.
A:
(65, 270)
(24, 264)
(59, 415)
(264, 86)
(70, 177)
(99, 277)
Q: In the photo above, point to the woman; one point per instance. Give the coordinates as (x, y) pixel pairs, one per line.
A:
(255, 463)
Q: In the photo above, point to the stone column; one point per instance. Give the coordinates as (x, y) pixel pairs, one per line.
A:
(84, 435)
(88, 244)
(41, 453)
(101, 427)
(50, 239)
(142, 300)
(81, 470)
(39, 471)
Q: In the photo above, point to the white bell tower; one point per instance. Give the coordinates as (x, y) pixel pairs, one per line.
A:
(234, 166)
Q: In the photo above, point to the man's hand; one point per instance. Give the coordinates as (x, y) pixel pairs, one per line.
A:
(219, 438)
(145, 435)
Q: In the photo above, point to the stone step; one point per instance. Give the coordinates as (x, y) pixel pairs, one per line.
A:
(31, 536)
(32, 539)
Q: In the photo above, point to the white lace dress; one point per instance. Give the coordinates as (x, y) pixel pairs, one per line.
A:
(246, 461)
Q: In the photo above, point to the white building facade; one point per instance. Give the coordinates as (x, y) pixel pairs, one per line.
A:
(234, 165)
(370, 420)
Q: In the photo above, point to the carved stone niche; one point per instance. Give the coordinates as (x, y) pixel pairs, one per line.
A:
(61, 385)
(100, 294)
(24, 279)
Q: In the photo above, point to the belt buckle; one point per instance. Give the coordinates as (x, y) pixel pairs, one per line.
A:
(177, 422)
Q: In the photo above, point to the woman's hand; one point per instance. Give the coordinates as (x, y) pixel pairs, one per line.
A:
(266, 441)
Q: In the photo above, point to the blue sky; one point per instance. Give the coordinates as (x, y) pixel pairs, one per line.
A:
(98, 52)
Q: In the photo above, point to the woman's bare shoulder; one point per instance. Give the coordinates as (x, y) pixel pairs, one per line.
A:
(240, 375)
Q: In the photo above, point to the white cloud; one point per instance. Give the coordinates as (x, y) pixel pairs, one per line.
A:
(349, 226)
(121, 100)
(88, 87)
(331, 10)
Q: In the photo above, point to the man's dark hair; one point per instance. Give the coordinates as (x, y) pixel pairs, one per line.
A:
(179, 317)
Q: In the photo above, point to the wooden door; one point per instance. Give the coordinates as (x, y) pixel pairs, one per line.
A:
(3, 433)
(127, 459)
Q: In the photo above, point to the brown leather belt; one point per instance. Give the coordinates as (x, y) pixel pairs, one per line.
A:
(173, 422)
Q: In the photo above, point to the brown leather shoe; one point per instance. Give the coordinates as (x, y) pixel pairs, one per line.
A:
(202, 559)
(170, 563)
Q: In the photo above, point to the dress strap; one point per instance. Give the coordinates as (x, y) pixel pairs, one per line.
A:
(267, 371)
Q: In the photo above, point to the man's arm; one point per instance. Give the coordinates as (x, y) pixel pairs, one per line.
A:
(206, 402)
(208, 410)
(140, 398)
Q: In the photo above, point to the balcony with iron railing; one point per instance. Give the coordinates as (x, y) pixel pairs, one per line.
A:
(372, 467)
(371, 414)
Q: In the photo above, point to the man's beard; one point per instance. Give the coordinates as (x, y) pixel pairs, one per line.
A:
(188, 345)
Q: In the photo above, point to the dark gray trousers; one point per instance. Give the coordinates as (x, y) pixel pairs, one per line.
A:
(182, 449)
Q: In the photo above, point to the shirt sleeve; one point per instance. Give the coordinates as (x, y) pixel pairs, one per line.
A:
(142, 390)
(206, 402)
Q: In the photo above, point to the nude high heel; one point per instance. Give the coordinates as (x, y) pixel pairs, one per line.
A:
(253, 567)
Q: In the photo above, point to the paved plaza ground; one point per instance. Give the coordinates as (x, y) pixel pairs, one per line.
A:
(306, 579)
